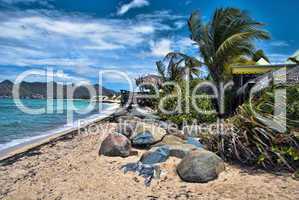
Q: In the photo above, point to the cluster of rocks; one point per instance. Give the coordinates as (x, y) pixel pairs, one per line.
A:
(196, 165)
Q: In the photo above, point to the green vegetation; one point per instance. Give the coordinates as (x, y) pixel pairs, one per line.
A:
(248, 60)
(228, 36)
(184, 71)
(256, 143)
(183, 113)
(257, 55)
(179, 67)
(227, 40)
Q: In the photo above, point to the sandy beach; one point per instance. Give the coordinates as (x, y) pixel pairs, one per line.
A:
(149, 100)
(70, 168)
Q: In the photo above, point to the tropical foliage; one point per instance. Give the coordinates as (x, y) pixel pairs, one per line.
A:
(256, 143)
(227, 40)
(178, 67)
(257, 55)
(246, 61)
(184, 71)
(228, 36)
(187, 112)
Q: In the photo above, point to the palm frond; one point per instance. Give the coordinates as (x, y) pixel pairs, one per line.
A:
(258, 55)
(195, 25)
(229, 34)
(161, 69)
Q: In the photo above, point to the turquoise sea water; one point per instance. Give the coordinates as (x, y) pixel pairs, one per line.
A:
(17, 127)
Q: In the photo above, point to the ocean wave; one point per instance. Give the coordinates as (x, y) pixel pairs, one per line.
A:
(16, 142)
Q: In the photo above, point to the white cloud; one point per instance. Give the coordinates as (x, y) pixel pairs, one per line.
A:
(98, 34)
(184, 44)
(82, 45)
(147, 29)
(133, 4)
(45, 3)
(162, 15)
(44, 39)
(276, 58)
(188, 2)
(20, 1)
(161, 47)
(279, 43)
(180, 24)
(57, 62)
(40, 76)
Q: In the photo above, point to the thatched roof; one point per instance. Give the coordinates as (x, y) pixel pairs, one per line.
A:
(150, 79)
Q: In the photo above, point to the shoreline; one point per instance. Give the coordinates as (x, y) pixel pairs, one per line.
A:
(70, 167)
(56, 134)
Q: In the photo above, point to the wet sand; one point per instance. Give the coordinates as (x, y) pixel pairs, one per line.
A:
(70, 168)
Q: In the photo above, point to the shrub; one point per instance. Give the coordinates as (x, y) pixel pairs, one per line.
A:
(186, 116)
(257, 144)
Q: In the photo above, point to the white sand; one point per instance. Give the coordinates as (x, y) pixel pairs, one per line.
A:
(71, 169)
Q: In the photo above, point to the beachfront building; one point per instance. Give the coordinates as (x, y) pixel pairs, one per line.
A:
(245, 77)
(146, 83)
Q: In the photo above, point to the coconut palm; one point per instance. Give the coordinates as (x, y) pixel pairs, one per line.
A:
(257, 55)
(245, 61)
(170, 72)
(229, 35)
(180, 66)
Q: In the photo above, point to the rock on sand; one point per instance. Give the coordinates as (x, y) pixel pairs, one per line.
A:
(200, 166)
(115, 145)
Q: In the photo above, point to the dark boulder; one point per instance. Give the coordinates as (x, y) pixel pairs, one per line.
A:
(148, 172)
(115, 145)
(143, 139)
(156, 155)
(200, 166)
(172, 140)
(180, 151)
(147, 134)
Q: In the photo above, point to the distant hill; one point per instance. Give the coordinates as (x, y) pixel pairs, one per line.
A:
(38, 90)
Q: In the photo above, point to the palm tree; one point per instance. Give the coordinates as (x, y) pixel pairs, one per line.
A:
(180, 66)
(257, 55)
(229, 35)
(245, 61)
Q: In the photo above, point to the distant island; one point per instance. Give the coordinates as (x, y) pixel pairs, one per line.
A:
(38, 90)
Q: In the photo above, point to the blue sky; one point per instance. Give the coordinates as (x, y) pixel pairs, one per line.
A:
(81, 37)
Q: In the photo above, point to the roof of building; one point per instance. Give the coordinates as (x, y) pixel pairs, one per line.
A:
(288, 76)
(258, 69)
(149, 79)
